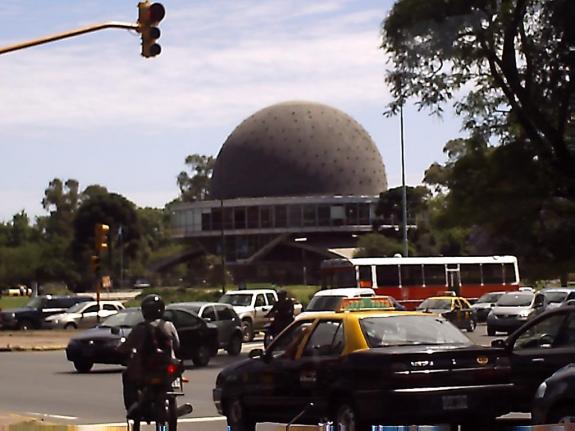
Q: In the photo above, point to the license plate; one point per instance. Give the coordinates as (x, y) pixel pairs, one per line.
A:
(454, 402)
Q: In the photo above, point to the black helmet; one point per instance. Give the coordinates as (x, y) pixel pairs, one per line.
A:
(282, 294)
(153, 307)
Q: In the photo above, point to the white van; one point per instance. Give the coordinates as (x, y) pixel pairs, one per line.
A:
(329, 299)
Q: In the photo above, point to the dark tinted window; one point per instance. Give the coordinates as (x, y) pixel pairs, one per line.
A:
(434, 275)
(411, 275)
(91, 309)
(209, 313)
(110, 307)
(324, 303)
(224, 313)
(271, 298)
(326, 339)
(509, 273)
(515, 299)
(183, 319)
(260, 300)
(489, 298)
(492, 273)
(543, 334)
(286, 345)
(470, 273)
(124, 319)
(387, 275)
(58, 303)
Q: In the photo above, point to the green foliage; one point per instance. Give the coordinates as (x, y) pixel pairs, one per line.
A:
(13, 301)
(378, 245)
(196, 186)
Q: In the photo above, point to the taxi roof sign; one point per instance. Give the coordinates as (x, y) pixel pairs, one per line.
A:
(366, 304)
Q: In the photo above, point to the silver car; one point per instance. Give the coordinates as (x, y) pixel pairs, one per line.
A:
(83, 315)
(513, 309)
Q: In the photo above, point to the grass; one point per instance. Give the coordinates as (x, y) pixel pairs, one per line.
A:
(13, 301)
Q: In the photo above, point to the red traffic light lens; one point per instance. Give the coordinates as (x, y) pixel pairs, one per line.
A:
(157, 12)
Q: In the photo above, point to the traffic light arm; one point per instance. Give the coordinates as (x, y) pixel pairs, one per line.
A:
(67, 34)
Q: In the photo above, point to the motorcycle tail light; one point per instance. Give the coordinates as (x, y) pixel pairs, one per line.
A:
(172, 369)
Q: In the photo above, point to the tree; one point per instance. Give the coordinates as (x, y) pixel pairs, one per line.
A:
(196, 187)
(61, 200)
(514, 60)
(378, 245)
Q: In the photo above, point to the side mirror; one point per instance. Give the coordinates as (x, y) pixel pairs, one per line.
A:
(256, 353)
(492, 305)
(499, 344)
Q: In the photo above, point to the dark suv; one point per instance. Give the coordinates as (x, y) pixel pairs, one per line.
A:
(33, 314)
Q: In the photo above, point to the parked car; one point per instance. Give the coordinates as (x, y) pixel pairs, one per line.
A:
(83, 315)
(198, 339)
(366, 367)
(252, 306)
(330, 299)
(535, 351)
(224, 318)
(513, 309)
(556, 296)
(455, 309)
(484, 304)
(32, 315)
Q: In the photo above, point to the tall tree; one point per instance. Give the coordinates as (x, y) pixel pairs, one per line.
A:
(196, 186)
(61, 200)
(513, 60)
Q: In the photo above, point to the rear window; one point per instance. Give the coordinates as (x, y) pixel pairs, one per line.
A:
(555, 296)
(515, 300)
(324, 303)
(436, 304)
(489, 298)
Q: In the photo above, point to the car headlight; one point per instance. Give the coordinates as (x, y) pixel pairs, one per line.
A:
(540, 393)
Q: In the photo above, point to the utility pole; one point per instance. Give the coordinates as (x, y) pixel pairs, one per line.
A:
(223, 247)
(403, 188)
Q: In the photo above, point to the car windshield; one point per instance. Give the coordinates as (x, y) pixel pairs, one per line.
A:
(34, 302)
(324, 303)
(404, 330)
(124, 319)
(76, 308)
(555, 296)
(515, 300)
(237, 299)
(488, 298)
(435, 304)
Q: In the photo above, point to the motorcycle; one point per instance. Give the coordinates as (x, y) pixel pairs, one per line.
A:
(157, 398)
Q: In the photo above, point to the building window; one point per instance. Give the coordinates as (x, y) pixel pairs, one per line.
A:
(309, 215)
(294, 213)
(337, 214)
(266, 219)
(240, 218)
(281, 216)
(253, 217)
(351, 214)
(216, 219)
(323, 218)
(363, 210)
(206, 221)
(228, 218)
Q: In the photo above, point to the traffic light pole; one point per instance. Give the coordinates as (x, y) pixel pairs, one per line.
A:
(67, 34)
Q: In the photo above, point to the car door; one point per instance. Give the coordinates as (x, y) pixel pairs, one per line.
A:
(108, 310)
(540, 348)
(272, 385)
(261, 309)
(89, 317)
(224, 319)
(192, 331)
(208, 313)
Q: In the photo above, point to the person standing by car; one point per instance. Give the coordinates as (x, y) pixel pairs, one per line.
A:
(146, 338)
(282, 312)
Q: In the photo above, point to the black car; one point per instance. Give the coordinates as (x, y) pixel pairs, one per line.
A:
(36, 310)
(554, 400)
(224, 318)
(538, 349)
(366, 368)
(198, 340)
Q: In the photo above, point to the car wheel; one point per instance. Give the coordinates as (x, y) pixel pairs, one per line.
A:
(201, 356)
(472, 325)
(70, 326)
(25, 325)
(346, 418)
(561, 415)
(83, 366)
(235, 346)
(238, 420)
(247, 331)
(491, 331)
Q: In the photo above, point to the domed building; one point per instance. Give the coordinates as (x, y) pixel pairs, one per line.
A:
(294, 183)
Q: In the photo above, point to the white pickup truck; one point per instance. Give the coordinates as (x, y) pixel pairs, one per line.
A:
(252, 306)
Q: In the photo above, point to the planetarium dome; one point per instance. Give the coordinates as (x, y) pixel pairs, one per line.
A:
(298, 148)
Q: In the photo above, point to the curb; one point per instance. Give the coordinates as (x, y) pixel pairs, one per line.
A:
(30, 348)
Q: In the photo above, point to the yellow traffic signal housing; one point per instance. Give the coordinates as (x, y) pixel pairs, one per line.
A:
(149, 16)
(95, 264)
(101, 236)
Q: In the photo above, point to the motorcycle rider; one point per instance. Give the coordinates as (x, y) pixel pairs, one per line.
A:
(149, 336)
(282, 312)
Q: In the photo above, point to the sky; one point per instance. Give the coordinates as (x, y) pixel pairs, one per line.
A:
(92, 109)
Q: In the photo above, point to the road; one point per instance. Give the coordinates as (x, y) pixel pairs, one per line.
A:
(45, 383)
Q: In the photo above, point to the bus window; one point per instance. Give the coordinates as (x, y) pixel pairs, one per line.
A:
(411, 275)
(470, 273)
(509, 275)
(340, 277)
(434, 275)
(365, 276)
(492, 273)
(387, 275)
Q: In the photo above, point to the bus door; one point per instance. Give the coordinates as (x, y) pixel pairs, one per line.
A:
(453, 278)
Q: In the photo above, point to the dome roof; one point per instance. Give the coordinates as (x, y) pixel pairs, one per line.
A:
(298, 148)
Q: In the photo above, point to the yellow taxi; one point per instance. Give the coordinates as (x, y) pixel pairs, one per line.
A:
(454, 308)
(365, 365)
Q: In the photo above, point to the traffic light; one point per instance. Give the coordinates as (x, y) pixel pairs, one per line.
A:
(95, 264)
(149, 16)
(101, 236)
